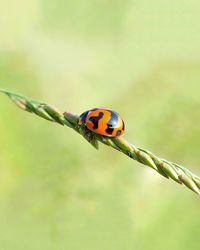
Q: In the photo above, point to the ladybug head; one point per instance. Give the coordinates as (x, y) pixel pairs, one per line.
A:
(82, 118)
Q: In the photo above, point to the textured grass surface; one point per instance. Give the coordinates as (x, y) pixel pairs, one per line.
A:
(164, 167)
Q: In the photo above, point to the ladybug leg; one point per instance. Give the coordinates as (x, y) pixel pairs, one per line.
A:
(86, 133)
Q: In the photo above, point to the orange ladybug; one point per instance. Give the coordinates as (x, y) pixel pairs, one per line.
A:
(103, 121)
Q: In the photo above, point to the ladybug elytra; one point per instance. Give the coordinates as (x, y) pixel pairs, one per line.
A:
(103, 121)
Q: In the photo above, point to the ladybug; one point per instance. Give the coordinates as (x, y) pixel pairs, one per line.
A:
(103, 121)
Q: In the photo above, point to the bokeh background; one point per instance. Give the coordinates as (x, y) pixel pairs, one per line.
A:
(140, 58)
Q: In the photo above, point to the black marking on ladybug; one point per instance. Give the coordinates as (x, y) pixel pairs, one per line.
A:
(84, 116)
(109, 130)
(95, 120)
(93, 109)
(118, 132)
(123, 126)
(112, 123)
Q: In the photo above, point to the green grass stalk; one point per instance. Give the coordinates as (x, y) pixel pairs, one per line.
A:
(164, 167)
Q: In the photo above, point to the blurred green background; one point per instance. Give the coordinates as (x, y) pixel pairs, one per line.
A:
(140, 58)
